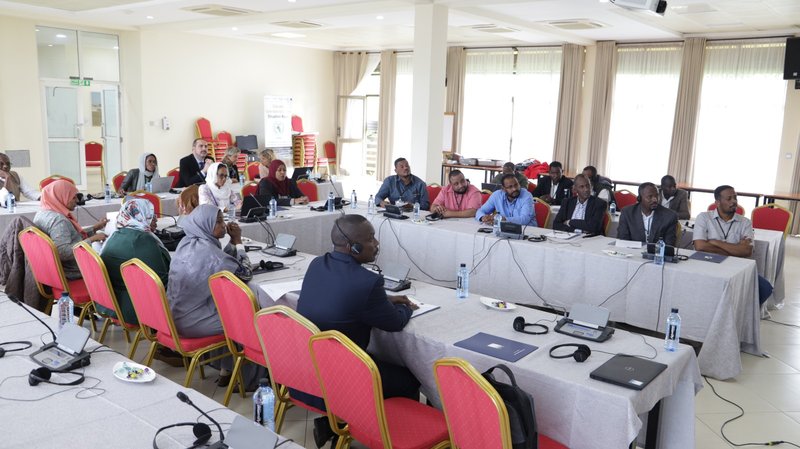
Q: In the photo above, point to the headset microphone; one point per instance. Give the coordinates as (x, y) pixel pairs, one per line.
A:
(201, 431)
(355, 247)
(520, 325)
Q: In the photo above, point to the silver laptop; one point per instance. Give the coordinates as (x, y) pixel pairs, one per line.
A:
(284, 246)
(395, 276)
(246, 434)
(161, 185)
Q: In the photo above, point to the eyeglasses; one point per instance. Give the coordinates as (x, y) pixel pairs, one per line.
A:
(222, 175)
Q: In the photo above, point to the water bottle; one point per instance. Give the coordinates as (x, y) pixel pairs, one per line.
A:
(496, 225)
(264, 405)
(66, 308)
(612, 208)
(416, 211)
(273, 208)
(330, 202)
(241, 179)
(232, 210)
(107, 192)
(353, 200)
(673, 331)
(148, 187)
(659, 257)
(11, 203)
(371, 205)
(462, 286)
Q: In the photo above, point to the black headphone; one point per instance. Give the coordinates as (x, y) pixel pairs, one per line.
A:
(270, 265)
(520, 325)
(200, 430)
(582, 352)
(43, 374)
(355, 247)
(4, 350)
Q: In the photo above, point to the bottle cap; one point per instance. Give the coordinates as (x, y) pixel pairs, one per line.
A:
(463, 265)
(64, 294)
(674, 310)
(263, 382)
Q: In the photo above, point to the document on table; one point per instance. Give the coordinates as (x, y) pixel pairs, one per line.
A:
(275, 290)
(492, 345)
(627, 244)
(423, 308)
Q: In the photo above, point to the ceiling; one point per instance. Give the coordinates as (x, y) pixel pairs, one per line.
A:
(384, 24)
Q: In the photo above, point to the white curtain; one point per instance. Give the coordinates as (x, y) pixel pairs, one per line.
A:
(684, 124)
(404, 90)
(454, 102)
(386, 117)
(350, 70)
(604, 68)
(569, 104)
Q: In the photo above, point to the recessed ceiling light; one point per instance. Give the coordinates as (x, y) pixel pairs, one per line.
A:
(37, 29)
(289, 35)
(149, 17)
(292, 1)
(116, 47)
(379, 17)
(49, 45)
(61, 36)
(235, 29)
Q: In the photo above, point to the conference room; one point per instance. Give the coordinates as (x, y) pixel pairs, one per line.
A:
(340, 90)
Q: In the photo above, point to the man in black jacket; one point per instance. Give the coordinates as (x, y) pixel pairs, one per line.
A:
(193, 168)
(554, 188)
(647, 220)
(584, 212)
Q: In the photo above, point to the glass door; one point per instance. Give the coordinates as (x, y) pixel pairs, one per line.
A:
(64, 132)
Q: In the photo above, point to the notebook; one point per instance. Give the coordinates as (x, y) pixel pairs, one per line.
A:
(708, 257)
(498, 347)
(423, 308)
(628, 371)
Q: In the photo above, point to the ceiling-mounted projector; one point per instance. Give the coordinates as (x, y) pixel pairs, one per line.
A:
(654, 6)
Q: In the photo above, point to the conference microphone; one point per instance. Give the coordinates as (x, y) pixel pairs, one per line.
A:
(21, 304)
(334, 187)
(220, 444)
(267, 228)
(174, 218)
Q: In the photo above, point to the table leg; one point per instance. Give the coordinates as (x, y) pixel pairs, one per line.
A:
(653, 418)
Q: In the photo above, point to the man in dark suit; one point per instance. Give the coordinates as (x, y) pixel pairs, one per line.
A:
(674, 198)
(193, 167)
(647, 220)
(584, 212)
(554, 188)
(338, 293)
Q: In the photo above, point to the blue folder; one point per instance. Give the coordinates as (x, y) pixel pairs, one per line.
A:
(498, 347)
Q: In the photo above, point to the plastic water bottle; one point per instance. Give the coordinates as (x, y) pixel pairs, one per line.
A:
(353, 200)
(241, 179)
(331, 200)
(107, 192)
(659, 257)
(462, 285)
(416, 211)
(66, 308)
(612, 208)
(148, 187)
(11, 203)
(673, 331)
(496, 225)
(273, 208)
(232, 210)
(264, 405)
(371, 205)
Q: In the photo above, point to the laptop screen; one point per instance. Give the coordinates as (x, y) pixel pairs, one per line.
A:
(285, 241)
(301, 173)
(395, 271)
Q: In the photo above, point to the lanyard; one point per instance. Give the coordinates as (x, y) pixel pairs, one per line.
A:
(648, 223)
(724, 234)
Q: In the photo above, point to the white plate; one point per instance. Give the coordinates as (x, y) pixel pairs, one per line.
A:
(133, 372)
(496, 304)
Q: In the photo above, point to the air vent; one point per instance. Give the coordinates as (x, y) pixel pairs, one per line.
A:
(577, 24)
(219, 10)
(492, 28)
(299, 24)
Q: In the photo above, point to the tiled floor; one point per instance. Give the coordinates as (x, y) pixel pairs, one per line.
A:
(768, 388)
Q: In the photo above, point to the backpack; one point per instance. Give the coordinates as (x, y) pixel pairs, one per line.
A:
(521, 414)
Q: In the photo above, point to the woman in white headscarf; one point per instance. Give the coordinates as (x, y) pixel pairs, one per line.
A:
(218, 190)
(138, 177)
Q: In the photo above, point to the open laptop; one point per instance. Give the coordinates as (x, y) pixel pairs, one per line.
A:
(395, 277)
(247, 434)
(490, 186)
(628, 371)
(284, 246)
(254, 208)
(162, 184)
(301, 173)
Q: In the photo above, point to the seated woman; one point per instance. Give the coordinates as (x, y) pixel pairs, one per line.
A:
(59, 199)
(218, 190)
(230, 158)
(277, 185)
(133, 238)
(265, 158)
(138, 177)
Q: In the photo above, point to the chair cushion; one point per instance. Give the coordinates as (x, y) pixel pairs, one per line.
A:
(94, 164)
(78, 291)
(547, 443)
(413, 425)
(190, 344)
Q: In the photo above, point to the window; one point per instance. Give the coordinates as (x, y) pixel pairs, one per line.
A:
(403, 93)
(74, 54)
(642, 111)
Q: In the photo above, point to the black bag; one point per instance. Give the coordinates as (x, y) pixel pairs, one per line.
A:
(521, 414)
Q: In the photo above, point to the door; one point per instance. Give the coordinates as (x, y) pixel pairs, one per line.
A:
(64, 125)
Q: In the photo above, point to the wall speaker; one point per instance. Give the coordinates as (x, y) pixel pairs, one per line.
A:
(791, 65)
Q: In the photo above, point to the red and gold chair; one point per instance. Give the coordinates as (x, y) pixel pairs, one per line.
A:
(739, 208)
(52, 178)
(607, 219)
(433, 191)
(249, 188)
(353, 393)
(94, 158)
(252, 171)
(155, 318)
(624, 198)
(329, 160)
(203, 128)
(773, 217)
(309, 189)
(485, 194)
(176, 176)
(116, 181)
(152, 197)
(543, 211)
(531, 187)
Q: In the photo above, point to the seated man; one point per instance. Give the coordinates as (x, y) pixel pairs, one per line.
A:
(11, 181)
(193, 168)
(601, 186)
(510, 168)
(647, 221)
(403, 186)
(723, 231)
(674, 198)
(554, 188)
(458, 199)
(512, 203)
(338, 293)
(584, 212)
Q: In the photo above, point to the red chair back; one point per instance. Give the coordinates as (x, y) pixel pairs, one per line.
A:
(542, 210)
(485, 194)
(433, 191)
(176, 176)
(252, 170)
(152, 197)
(308, 188)
(95, 275)
(297, 124)
(203, 127)
(624, 198)
(739, 208)
(148, 297)
(44, 261)
(607, 222)
(249, 188)
(94, 154)
(330, 150)
(52, 178)
(237, 307)
(773, 217)
(531, 187)
(116, 181)
(225, 136)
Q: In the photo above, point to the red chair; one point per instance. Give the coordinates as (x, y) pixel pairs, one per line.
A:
(237, 307)
(433, 191)
(624, 198)
(47, 271)
(155, 318)
(116, 181)
(251, 172)
(52, 178)
(772, 216)
(485, 194)
(249, 188)
(308, 188)
(531, 187)
(203, 128)
(739, 208)
(98, 284)
(351, 386)
(297, 124)
(176, 176)
(284, 336)
(329, 148)
(607, 219)
(477, 417)
(225, 136)
(94, 158)
(152, 197)
(542, 210)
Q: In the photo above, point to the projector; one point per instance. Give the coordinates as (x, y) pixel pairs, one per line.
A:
(654, 6)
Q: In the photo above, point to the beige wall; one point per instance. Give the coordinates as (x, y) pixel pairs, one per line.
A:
(790, 139)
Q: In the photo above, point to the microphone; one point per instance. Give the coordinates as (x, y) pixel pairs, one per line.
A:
(267, 228)
(334, 187)
(182, 396)
(174, 218)
(21, 304)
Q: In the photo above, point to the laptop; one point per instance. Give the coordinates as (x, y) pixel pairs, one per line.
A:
(301, 173)
(395, 277)
(284, 246)
(395, 212)
(162, 184)
(491, 186)
(628, 371)
(254, 208)
(510, 230)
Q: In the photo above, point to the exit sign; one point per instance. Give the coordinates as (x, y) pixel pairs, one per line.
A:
(77, 82)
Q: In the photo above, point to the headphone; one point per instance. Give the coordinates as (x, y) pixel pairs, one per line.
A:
(200, 430)
(520, 325)
(43, 374)
(355, 247)
(4, 350)
(582, 352)
(270, 265)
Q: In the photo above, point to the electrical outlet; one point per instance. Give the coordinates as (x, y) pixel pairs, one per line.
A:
(165, 123)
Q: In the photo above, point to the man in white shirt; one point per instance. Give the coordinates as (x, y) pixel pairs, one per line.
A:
(11, 181)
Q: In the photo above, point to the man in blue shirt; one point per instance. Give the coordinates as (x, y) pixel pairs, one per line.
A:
(513, 203)
(404, 187)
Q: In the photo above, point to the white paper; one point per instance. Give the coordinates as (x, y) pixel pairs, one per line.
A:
(560, 235)
(423, 308)
(627, 244)
(275, 290)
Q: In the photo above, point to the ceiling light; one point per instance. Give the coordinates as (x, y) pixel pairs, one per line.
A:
(116, 47)
(289, 35)
(235, 29)
(149, 17)
(292, 1)
(379, 17)
(61, 36)
(37, 29)
(49, 45)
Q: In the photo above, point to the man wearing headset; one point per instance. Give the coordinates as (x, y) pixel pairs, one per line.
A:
(339, 294)
(647, 220)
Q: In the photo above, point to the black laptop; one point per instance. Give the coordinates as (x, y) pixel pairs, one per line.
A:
(490, 186)
(254, 208)
(628, 371)
(301, 173)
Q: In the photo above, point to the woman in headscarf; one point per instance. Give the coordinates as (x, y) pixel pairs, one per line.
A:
(59, 199)
(218, 190)
(277, 185)
(199, 255)
(138, 177)
(133, 238)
